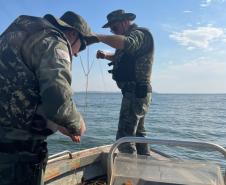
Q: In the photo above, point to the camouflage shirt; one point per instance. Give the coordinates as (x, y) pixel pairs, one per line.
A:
(35, 72)
(139, 45)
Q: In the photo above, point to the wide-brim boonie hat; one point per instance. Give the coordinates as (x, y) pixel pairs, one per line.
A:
(118, 15)
(71, 20)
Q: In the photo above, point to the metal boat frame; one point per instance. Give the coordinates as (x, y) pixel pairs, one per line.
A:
(188, 144)
(64, 162)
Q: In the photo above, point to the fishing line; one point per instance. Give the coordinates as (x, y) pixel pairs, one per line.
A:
(102, 75)
(86, 73)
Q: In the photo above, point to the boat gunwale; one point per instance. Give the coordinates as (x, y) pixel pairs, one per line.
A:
(74, 163)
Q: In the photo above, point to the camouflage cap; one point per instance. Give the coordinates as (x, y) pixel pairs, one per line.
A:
(74, 21)
(118, 15)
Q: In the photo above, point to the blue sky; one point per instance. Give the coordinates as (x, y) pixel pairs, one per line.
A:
(190, 40)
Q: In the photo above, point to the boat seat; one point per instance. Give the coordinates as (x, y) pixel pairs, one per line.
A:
(142, 170)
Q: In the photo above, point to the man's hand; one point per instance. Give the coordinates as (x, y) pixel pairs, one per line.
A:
(74, 138)
(100, 54)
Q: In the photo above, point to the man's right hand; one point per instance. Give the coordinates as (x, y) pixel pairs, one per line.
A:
(74, 138)
(101, 54)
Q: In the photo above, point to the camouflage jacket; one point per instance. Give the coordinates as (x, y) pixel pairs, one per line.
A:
(138, 53)
(35, 72)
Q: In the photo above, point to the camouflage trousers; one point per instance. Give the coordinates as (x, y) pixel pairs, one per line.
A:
(131, 122)
(21, 168)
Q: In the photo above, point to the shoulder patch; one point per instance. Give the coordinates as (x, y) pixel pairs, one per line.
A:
(63, 54)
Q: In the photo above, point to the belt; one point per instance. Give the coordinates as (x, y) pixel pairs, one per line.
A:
(132, 87)
(129, 87)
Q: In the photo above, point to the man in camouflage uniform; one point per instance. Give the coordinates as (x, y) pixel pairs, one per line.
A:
(132, 64)
(35, 89)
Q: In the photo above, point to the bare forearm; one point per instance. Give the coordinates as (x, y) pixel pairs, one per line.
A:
(109, 56)
(115, 41)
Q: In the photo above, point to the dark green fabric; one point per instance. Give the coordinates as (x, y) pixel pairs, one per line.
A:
(136, 57)
(21, 167)
(76, 22)
(131, 122)
(135, 61)
(72, 20)
(118, 15)
(35, 63)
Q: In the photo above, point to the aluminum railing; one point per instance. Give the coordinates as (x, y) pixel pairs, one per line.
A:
(188, 144)
(61, 154)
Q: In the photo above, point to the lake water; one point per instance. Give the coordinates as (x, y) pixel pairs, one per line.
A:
(192, 117)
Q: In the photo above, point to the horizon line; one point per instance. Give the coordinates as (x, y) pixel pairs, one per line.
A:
(189, 93)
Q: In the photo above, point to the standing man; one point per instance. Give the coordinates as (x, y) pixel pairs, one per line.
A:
(132, 64)
(35, 92)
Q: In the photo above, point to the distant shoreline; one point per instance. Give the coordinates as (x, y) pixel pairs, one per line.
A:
(118, 92)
